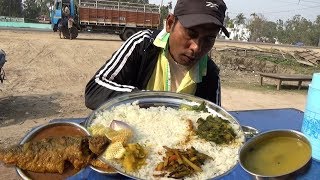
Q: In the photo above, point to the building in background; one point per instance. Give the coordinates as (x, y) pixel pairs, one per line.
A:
(237, 33)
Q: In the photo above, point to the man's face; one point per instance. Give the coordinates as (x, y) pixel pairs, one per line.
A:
(188, 45)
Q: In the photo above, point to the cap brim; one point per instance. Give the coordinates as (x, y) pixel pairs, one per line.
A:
(191, 20)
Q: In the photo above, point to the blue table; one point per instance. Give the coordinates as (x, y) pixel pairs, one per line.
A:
(263, 120)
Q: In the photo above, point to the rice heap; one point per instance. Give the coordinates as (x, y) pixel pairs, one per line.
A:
(155, 127)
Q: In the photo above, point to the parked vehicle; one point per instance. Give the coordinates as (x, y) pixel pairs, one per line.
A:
(2, 62)
(59, 19)
(114, 17)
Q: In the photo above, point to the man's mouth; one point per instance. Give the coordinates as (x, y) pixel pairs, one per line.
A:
(190, 58)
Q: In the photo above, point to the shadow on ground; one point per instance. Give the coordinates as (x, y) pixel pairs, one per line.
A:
(289, 87)
(17, 109)
(97, 39)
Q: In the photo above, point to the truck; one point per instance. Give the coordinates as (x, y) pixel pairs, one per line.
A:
(114, 17)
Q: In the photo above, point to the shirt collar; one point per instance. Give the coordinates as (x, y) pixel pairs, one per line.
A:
(162, 39)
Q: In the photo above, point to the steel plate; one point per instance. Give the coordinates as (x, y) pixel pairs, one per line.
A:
(147, 99)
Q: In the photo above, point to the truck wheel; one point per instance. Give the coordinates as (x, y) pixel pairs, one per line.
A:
(74, 32)
(127, 33)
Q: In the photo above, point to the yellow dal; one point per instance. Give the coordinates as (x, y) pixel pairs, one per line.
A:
(277, 156)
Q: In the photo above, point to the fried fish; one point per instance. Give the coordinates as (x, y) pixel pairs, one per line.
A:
(53, 155)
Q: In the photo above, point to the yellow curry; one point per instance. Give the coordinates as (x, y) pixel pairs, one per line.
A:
(277, 156)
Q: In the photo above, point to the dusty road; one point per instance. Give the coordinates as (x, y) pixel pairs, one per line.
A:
(46, 77)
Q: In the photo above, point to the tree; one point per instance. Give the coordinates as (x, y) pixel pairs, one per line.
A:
(44, 10)
(164, 11)
(270, 31)
(240, 19)
(31, 10)
(317, 30)
(228, 22)
(12, 8)
(256, 25)
(298, 29)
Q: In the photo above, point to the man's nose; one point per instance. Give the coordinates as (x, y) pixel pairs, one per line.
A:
(195, 45)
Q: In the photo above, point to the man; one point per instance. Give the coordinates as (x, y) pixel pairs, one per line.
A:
(70, 25)
(2, 62)
(66, 11)
(173, 60)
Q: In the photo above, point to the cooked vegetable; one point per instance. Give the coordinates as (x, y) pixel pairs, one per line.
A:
(134, 157)
(215, 129)
(179, 163)
(195, 167)
(202, 107)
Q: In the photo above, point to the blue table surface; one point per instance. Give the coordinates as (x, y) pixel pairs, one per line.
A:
(263, 120)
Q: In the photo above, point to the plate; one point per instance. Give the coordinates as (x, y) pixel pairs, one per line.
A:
(149, 99)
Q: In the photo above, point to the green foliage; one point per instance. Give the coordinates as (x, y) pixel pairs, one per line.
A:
(277, 60)
(31, 10)
(297, 29)
(164, 12)
(228, 22)
(288, 64)
(240, 19)
(44, 10)
(11, 8)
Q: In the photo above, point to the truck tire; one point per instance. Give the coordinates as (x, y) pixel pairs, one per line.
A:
(66, 33)
(127, 33)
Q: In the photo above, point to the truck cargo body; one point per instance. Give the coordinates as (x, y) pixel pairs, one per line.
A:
(117, 17)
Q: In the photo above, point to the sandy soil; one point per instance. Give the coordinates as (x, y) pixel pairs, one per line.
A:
(46, 77)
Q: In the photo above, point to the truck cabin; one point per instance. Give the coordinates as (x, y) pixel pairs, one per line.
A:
(57, 11)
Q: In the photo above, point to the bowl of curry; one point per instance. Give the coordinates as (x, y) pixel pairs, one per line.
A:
(277, 154)
(52, 130)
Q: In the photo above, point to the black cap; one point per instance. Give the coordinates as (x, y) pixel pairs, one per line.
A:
(197, 12)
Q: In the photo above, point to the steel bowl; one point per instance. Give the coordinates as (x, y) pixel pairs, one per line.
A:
(155, 99)
(252, 145)
(43, 128)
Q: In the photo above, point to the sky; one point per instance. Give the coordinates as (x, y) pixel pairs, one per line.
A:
(272, 10)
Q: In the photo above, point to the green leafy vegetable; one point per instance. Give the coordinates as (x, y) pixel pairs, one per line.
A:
(202, 107)
(215, 129)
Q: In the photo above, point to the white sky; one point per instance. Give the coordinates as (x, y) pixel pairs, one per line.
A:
(271, 9)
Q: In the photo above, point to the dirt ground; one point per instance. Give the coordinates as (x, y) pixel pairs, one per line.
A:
(46, 77)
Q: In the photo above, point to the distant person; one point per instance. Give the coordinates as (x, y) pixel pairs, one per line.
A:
(175, 59)
(60, 26)
(70, 25)
(66, 11)
(2, 62)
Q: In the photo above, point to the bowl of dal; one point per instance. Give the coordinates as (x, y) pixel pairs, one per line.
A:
(277, 154)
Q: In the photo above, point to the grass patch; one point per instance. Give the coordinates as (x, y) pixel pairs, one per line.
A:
(289, 64)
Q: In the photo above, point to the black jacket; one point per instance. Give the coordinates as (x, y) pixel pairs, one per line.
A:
(130, 68)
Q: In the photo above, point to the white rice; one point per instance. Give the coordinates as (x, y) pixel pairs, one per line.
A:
(156, 127)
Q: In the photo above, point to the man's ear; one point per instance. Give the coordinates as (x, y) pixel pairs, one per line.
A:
(170, 22)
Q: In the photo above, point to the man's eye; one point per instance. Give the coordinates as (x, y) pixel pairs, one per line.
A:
(210, 38)
(192, 34)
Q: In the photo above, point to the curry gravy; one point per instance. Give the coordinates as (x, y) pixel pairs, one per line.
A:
(277, 156)
(56, 130)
